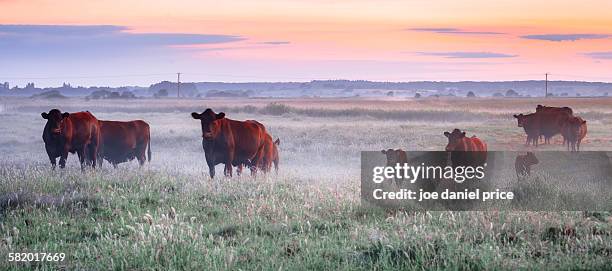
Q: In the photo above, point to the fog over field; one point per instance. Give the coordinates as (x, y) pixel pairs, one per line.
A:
(308, 215)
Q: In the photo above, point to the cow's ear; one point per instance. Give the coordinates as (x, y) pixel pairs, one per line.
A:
(44, 115)
(65, 115)
(463, 134)
(220, 115)
(196, 115)
(384, 152)
(447, 134)
(515, 116)
(277, 142)
(584, 122)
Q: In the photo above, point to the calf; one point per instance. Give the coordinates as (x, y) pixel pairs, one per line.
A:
(395, 157)
(523, 163)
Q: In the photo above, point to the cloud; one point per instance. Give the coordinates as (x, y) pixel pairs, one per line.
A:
(275, 42)
(452, 31)
(600, 55)
(93, 40)
(466, 54)
(566, 37)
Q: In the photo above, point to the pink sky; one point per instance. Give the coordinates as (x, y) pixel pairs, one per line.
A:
(302, 40)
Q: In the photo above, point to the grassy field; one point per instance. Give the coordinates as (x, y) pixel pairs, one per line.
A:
(169, 215)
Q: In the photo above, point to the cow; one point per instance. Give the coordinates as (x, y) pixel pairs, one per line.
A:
(122, 141)
(269, 155)
(230, 142)
(395, 157)
(531, 124)
(523, 163)
(71, 132)
(551, 122)
(465, 151)
(574, 130)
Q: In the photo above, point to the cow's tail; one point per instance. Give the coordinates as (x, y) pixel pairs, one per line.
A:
(149, 151)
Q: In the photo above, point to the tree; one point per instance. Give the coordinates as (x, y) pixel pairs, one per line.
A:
(390, 93)
(161, 93)
(417, 95)
(511, 93)
(471, 94)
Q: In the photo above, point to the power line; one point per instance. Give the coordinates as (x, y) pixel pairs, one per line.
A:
(178, 84)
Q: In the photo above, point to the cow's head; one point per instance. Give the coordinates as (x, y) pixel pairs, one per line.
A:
(454, 139)
(210, 124)
(55, 120)
(531, 159)
(520, 119)
(393, 156)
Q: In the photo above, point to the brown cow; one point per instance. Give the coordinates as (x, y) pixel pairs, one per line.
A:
(551, 122)
(574, 130)
(523, 163)
(531, 124)
(465, 151)
(77, 132)
(229, 141)
(122, 141)
(395, 157)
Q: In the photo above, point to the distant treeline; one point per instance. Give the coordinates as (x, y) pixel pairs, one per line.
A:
(340, 88)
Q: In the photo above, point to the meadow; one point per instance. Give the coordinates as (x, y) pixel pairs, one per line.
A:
(169, 214)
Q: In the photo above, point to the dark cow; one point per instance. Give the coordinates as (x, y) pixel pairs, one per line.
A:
(77, 132)
(465, 151)
(531, 124)
(395, 157)
(523, 163)
(574, 130)
(230, 141)
(269, 155)
(551, 122)
(123, 141)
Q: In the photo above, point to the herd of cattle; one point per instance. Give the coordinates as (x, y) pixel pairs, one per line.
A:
(247, 143)
(545, 123)
(234, 143)
(549, 121)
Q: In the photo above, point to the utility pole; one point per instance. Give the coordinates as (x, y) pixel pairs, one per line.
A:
(546, 86)
(178, 84)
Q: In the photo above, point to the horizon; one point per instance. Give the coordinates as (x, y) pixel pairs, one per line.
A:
(296, 82)
(280, 41)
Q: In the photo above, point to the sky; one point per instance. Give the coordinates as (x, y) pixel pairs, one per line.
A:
(115, 43)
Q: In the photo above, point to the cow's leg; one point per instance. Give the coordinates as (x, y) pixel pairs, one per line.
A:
(228, 169)
(239, 169)
(52, 159)
(211, 170)
(92, 150)
(81, 153)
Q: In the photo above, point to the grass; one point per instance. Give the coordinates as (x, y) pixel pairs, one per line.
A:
(170, 216)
